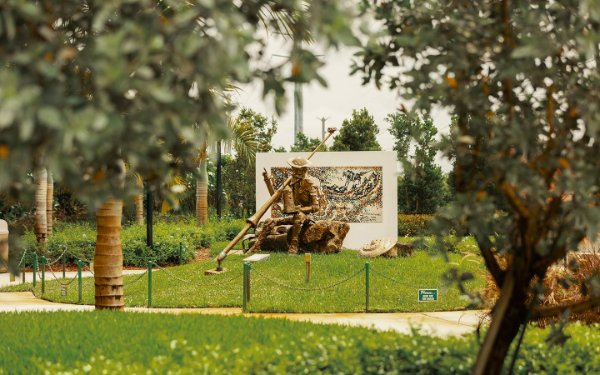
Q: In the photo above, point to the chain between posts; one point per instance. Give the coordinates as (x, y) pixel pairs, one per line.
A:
(384, 276)
(275, 281)
(57, 259)
(171, 275)
(22, 258)
(64, 284)
(140, 276)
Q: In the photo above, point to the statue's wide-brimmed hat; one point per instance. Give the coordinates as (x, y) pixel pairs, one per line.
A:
(376, 248)
(299, 162)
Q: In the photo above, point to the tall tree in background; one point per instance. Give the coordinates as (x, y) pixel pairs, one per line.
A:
(92, 84)
(522, 80)
(306, 144)
(421, 189)
(357, 133)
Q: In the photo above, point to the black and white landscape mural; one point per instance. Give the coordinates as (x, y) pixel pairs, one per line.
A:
(351, 194)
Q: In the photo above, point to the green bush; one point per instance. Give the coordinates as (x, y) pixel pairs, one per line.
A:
(78, 241)
(158, 343)
(414, 225)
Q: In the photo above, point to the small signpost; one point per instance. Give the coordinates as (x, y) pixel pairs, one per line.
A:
(307, 260)
(428, 295)
(256, 257)
(63, 290)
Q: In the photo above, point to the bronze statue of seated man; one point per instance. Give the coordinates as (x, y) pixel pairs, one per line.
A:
(295, 228)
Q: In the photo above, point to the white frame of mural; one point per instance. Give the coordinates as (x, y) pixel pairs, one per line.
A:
(360, 233)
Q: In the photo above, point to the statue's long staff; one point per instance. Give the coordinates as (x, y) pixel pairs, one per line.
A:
(253, 220)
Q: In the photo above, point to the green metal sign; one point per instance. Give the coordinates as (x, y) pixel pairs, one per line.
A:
(428, 295)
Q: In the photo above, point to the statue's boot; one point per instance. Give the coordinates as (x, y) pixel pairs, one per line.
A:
(295, 234)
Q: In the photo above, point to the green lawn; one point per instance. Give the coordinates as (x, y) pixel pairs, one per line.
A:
(114, 342)
(278, 284)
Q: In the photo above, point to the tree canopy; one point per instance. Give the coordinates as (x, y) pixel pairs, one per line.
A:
(522, 80)
(422, 188)
(357, 133)
(88, 84)
(304, 143)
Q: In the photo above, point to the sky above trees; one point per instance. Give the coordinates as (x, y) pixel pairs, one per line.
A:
(343, 94)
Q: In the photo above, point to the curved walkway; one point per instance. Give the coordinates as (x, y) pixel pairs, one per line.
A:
(447, 323)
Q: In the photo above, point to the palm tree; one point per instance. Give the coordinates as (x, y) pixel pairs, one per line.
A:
(243, 140)
(49, 205)
(40, 178)
(138, 201)
(108, 258)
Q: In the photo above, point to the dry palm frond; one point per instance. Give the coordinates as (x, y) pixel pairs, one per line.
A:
(562, 285)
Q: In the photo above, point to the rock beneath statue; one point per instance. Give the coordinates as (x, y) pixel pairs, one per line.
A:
(323, 236)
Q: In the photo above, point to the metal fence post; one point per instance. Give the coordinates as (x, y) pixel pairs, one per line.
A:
(64, 266)
(307, 261)
(43, 275)
(150, 284)
(248, 283)
(24, 265)
(245, 286)
(180, 253)
(79, 281)
(366, 286)
(35, 266)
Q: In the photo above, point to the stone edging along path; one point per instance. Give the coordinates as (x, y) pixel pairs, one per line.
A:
(444, 323)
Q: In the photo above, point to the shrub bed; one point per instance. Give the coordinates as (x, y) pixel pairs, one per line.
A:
(137, 343)
(414, 225)
(78, 241)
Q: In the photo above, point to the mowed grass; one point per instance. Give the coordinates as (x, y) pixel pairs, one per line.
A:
(278, 284)
(135, 343)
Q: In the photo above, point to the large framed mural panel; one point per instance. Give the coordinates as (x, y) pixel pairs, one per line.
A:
(359, 188)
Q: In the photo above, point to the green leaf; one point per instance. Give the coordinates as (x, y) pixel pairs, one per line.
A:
(50, 116)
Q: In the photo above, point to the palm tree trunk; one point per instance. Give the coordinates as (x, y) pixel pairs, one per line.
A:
(138, 200)
(202, 194)
(41, 191)
(50, 205)
(108, 260)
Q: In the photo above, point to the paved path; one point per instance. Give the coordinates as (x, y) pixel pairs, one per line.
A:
(450, 323)
(5, 277)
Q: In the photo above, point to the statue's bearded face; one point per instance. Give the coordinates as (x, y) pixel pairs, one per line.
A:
(298, 173)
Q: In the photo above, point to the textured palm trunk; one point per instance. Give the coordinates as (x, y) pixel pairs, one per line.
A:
(50, 205)
(41, 214)
(138, 200)
(202, 194)
(108, 260)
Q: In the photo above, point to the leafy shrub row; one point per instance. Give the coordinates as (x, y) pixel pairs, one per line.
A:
(78, 241)
(414, 225)
(123, 343)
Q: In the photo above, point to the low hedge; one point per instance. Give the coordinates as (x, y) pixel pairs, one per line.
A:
(414, 225)
(78, 241)
(113, 342)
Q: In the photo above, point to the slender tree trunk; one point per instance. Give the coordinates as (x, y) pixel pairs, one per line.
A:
(50, 205)
(509, 314)
(108, 260)
(41, 191)
(202, 194)
(138, 200)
